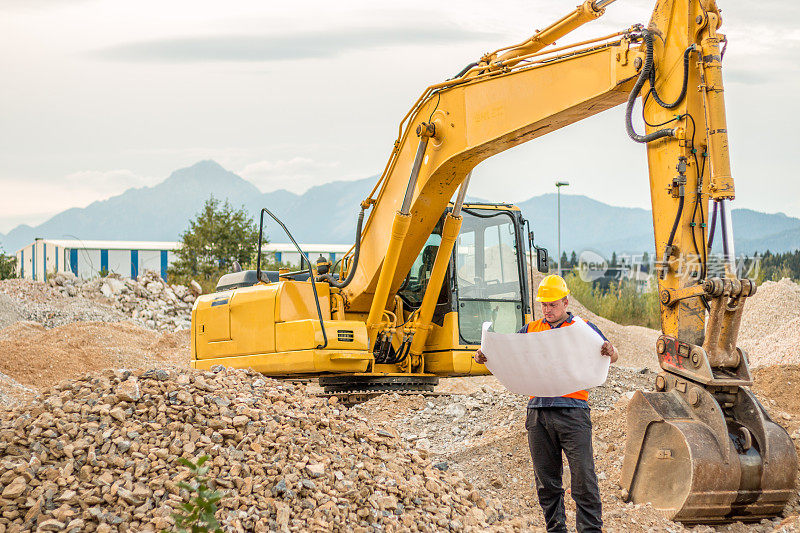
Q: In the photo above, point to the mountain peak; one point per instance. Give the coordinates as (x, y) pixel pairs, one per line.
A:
(202, 172)
(207, 178)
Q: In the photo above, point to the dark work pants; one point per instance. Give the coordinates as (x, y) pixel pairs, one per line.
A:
(568, 429)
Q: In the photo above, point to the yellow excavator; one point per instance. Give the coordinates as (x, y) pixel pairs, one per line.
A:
(405, 305)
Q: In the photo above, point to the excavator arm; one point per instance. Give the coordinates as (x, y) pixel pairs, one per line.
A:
(701, 448)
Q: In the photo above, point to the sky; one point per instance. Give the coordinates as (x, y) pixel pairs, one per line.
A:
(100, 96)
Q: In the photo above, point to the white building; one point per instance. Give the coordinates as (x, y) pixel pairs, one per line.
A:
(88, 259)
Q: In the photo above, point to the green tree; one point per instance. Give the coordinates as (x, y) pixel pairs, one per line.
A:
(217, 236)
(8, 265)
(774, 266)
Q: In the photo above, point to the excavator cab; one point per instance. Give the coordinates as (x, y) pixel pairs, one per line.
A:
(486, 277)
(487, 280)
(283, 325)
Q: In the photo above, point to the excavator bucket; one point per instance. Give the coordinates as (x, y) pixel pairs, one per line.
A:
(702, 449)
(698, 460)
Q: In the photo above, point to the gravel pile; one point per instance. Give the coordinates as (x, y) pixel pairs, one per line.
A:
(13, 392)
(100, 454)
(770, 330)
(33, 301)
(9, 311)
(147, 299)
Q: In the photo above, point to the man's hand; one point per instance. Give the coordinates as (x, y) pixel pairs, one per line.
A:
(608, 350)
(479, 357)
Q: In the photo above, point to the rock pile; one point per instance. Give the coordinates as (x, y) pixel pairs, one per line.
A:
(100, 454)
(148, 299)
(33, 301)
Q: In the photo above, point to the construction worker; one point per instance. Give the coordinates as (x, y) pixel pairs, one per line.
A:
(562, 424)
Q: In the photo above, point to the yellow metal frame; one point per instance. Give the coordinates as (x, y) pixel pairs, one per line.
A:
(465, 120)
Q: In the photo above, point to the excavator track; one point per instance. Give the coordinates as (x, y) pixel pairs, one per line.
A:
(352, 390)
(350, 383)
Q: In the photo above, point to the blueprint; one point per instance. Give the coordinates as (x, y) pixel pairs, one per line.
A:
(547, 363)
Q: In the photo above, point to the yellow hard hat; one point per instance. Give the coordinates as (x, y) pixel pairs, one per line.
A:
(551, 288)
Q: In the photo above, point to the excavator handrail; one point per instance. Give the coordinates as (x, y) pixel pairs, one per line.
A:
(303, 256)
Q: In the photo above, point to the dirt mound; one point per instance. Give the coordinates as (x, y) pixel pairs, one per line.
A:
(284, 460)
(780, 384)
(770, 330)
(39, 357)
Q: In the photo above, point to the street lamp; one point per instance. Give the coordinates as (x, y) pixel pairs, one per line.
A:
(559, 184)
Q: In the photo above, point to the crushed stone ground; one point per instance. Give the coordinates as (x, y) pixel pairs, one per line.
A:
(475, 432)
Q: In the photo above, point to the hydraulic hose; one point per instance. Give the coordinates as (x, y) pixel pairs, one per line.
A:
(668, 248)
(465, 70)
(344, 283)
(678, 100)
(644, 75)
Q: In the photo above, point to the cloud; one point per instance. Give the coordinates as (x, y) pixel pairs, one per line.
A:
(296, 174)
(747, 76)
(304, 45)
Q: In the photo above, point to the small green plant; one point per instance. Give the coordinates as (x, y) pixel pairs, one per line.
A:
(197, 515)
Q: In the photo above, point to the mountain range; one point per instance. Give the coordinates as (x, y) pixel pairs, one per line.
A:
(327, 214)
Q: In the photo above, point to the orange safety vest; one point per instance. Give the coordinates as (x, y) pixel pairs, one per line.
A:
(542, 325)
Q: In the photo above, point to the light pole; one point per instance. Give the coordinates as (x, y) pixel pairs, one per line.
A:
(559, 184)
